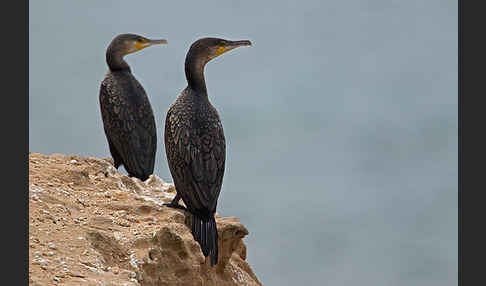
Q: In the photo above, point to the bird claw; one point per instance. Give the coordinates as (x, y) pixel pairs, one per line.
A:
(175, 206)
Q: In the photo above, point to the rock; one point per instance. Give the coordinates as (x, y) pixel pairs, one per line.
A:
(101, 228)
(112, 252)
(154, 181)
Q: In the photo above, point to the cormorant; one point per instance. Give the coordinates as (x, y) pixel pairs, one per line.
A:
(195, 145)
(128, 119)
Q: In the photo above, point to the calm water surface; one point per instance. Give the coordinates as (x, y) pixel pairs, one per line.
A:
(340, 121)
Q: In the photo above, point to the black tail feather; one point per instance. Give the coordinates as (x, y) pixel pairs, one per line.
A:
(206, 234)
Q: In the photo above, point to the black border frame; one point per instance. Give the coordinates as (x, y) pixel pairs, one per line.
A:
(471, 143)
(15, 144)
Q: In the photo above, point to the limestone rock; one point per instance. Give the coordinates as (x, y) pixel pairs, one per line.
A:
(89, 225)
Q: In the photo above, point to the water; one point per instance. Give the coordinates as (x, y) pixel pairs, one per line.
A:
(340, 122)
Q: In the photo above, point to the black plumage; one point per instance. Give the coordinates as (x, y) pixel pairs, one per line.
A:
(195, 145)
(127, 115)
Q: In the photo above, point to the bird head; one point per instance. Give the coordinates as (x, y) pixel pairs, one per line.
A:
(130, 43)
(210, 48)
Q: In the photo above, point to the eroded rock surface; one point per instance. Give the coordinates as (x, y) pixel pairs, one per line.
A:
(89, 225)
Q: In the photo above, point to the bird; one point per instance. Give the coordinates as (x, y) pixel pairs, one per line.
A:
(128, 119)
(195, 145)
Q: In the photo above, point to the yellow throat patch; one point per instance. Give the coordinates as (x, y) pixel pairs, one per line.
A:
(221, 50)
(141, 45)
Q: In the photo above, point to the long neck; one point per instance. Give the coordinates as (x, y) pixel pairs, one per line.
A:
(115, 60)
(194, 68)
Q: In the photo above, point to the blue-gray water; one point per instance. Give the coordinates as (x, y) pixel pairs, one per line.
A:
(340, 120)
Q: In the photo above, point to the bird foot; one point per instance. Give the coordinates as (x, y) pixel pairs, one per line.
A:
(175, 206)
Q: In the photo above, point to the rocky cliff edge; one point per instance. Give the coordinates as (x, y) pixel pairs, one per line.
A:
(89, 225)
